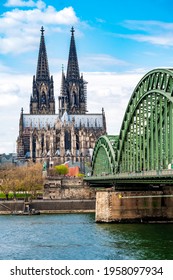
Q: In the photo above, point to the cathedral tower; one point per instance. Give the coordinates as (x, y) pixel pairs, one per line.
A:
(69, 135)
(73, 88)
(42, 100)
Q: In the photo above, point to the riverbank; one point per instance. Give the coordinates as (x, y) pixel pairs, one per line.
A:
(49, 206)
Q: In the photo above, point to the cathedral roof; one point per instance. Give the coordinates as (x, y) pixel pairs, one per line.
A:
(65, 117)
(42, 121)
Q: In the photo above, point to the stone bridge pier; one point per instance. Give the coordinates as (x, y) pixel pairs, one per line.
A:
(134, 206)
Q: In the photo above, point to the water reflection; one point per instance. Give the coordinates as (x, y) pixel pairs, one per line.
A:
(140, 241)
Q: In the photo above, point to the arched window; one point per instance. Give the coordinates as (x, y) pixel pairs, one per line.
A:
(42, 143)
(43, 98)
(77, 142)
(34, 147)
(67, 140)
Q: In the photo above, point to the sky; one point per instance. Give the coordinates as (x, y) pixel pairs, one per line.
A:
(117, 43)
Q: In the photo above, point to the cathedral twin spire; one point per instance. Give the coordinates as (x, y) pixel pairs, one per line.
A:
(73, 88)
(42, 132)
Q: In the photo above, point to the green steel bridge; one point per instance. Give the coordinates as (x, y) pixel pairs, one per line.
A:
(143, 150)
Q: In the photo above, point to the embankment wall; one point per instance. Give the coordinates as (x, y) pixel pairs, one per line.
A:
(49, 206)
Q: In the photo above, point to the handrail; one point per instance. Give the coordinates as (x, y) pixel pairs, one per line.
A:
(1, 204)
(151, 173)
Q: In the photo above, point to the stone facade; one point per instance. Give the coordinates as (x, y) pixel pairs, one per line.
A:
(144, 206)
(67, 188)
(69, 135)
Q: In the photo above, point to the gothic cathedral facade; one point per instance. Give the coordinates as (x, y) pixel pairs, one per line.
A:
(69, 135)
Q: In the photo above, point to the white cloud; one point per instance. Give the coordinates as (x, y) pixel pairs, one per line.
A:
(8, 100)
(113, 92)
(17, 44)
(3, 68)
(100, 20)
(153, 32)
(149, 25)
(18, 24)
(13, 95)
(164, 40)
(21, 3)
(49, 16)
(9, 93)
(100, 61)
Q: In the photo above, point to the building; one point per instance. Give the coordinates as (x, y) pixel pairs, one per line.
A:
(69, 135)
(8, 159)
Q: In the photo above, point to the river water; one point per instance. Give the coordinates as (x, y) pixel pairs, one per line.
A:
(78, 237)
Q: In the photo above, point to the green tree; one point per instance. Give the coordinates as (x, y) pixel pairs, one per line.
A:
(61, 169)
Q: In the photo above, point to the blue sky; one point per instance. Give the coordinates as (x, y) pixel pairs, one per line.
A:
(117, 43)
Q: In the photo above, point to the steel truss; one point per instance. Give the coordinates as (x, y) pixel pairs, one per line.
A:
(103, 161)
(146, 135)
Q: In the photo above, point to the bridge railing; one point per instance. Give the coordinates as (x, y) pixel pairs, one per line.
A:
(155, 173)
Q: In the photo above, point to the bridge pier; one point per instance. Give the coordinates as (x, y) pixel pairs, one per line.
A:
(134, 206)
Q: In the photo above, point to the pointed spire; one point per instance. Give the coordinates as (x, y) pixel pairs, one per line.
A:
(21, 122)
(42, 31)
(42, 66)
(73, 88)
(42, 99)
(72, 31)
(72, 68)
(62, 97)
(104, 119)
(63, 81)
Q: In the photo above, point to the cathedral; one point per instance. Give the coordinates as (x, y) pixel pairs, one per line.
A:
(68, 135)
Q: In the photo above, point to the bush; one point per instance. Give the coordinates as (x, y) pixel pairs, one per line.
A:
(81, 175)
(61, 169)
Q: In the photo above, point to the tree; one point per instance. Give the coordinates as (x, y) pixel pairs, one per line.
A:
(7, 180)
(24, 178)
(31, 179)
(61, 169)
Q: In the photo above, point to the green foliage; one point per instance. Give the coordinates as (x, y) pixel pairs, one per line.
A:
(61, 169)
(81, 175)
(17, 195)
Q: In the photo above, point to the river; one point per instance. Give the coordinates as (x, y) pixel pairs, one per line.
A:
(78, 237)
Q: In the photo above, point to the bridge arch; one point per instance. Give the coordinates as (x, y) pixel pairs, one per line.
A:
(103, 160)
(146, 134)
(145, 141)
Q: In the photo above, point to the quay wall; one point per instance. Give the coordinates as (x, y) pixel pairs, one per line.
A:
(133, 206)
(49, 206)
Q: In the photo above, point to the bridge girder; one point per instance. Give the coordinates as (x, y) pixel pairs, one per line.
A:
(146, 135)
(103, 160)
